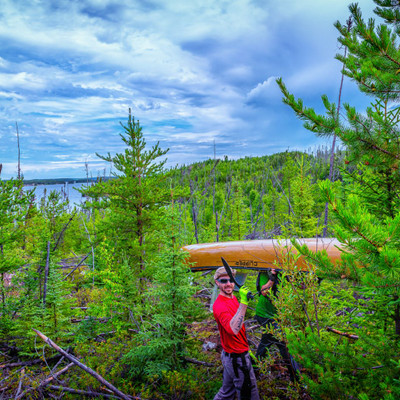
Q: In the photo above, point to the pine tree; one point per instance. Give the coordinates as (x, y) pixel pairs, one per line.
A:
(133, 198)
(368, 222)
(367, 214)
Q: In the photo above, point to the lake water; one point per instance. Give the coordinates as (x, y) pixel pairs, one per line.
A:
(67, 189)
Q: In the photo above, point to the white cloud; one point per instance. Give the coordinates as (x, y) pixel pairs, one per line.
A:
(21, 80)
(265, 90)
(11, 95)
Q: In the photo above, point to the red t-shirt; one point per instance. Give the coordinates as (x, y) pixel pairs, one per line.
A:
(224, 309)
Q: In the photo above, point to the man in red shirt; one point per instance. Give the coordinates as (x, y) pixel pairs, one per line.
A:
(238, 377)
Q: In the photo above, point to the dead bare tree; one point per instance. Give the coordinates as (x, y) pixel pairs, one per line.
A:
(19, 153)
(220, 216)
(194, 210)
(91, 244)
(77, 266)
(85, 393)
(46, 274)
(332, 157)
(64, 229)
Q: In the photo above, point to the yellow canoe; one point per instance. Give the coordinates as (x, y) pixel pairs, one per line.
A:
(254, 254)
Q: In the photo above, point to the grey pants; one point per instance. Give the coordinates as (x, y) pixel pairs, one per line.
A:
(238, 379)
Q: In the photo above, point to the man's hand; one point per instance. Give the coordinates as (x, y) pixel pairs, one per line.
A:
(272, 278)
(243, 292)
(265, 288)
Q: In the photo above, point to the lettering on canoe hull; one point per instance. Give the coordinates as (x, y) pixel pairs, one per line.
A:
(246, 263)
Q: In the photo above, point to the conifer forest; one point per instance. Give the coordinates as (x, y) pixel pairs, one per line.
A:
(98, 301)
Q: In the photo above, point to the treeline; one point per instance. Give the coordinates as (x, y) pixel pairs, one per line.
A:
(254, 197)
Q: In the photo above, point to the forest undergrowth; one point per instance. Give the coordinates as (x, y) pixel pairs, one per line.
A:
(46, 373)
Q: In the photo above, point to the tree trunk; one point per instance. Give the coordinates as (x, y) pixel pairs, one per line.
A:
(46, 274)
(19, 154)
(3, 296)
(194, 211)
(397, 320)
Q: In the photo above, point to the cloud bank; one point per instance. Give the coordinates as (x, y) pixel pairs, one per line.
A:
(194, 73)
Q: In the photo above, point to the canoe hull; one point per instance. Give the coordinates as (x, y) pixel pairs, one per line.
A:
(256, 255)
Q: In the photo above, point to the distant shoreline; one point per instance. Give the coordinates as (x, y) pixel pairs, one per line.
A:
(61, 181)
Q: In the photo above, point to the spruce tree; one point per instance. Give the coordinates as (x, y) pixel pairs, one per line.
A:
(304, 222)
(169, 303)
(238, 227)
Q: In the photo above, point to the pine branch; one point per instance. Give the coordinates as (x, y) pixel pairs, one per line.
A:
(376, 147)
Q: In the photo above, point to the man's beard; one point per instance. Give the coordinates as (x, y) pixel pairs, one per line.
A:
(229, 293)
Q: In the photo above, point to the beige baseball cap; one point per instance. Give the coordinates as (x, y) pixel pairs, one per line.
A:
(221, 271)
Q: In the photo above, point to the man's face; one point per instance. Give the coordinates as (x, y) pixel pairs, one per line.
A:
(224, 284)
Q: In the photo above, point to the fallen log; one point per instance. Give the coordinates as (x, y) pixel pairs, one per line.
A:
(45, 382)
(83, 392)
(101, 320)
(348, 335)
(376, 367)
(58, 363)
(84, 367)
(10, 375)
(29, 363)
(251, 328)
(112, 332)
(198, 362)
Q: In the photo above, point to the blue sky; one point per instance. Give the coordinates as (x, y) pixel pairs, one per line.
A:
(193, 72)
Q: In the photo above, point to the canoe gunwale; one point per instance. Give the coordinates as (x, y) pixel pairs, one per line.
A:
(212, 268)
